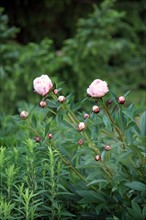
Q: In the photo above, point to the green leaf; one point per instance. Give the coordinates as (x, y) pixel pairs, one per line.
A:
(47, 129)
(136, 210)
(128, 114)
(144, 211)
(136, 186)
(51, 104)
(90, 196)
(127, 93)
(143, 124)
(34, 121)
(67, 214)
(96, 181)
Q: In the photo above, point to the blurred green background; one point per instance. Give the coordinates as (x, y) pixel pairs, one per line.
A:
(75, 41)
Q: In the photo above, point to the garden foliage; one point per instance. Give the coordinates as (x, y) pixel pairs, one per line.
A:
(68, 166)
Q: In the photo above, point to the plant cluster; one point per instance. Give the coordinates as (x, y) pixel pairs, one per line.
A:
(69, 163)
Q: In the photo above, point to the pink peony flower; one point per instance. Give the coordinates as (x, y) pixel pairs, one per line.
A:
(97, 88)
(42, 85)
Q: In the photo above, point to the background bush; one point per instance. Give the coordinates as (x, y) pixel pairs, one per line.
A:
(107, 44)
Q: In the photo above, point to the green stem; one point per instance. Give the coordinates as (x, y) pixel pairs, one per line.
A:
(93, 146)
(121, 136)
(71, 167)
(29, 126)
(71, 112)
(106, 169)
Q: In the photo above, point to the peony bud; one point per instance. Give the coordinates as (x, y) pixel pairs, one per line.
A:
(121, 100)
(43, 104)
(107, 147)
(81, 141)
(81, 126)
(37, 139)
(23, 114)
(98, 157)
(95, 109)
(55, 91)
(50, 136)
(86, 116)
(61, 99)
(109, 102)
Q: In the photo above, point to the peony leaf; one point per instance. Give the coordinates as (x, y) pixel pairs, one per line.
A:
(136, 186)
(143, 124)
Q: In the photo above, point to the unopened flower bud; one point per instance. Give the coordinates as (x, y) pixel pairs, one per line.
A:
(81, 141)
(81, 126)
(37, 139)
(43, 104)
(50, 136)
(98, 157)
(23, 114)
(55, 91)
(61, 99)
(95, 109)
(107, 147)
(86, 116)
(109, 102)
(121, 100)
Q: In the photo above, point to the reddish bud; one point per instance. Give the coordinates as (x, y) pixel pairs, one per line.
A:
(109, 102)
(95, 109)
(23, 114)
(98, 157)
(61, 99)
(81, 141)
(43, 104)
(121, 100)
(37, 139)
(81, 126)
(86, 116)
(55, 91)
(50, 136)
(107, 147)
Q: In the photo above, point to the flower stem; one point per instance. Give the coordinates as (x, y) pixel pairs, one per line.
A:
(121, 136)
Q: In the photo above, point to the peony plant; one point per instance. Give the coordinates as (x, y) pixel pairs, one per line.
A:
(79, 160)
(105, 138)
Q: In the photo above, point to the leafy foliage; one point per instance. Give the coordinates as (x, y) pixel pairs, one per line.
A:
(106, 46)
(59, 178)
